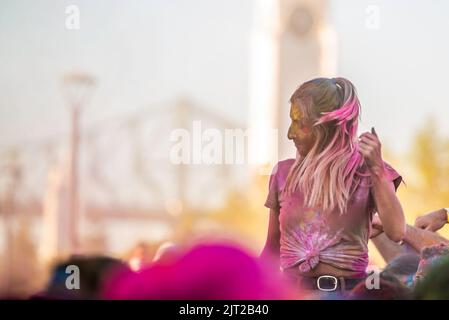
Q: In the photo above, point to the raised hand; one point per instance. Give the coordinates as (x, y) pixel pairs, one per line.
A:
(371, 150)
(433, 221)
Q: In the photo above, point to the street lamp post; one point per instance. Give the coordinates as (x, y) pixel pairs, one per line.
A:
(77, 89)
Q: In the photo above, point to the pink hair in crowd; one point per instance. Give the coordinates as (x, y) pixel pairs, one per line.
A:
(327, 174)
(207, 271)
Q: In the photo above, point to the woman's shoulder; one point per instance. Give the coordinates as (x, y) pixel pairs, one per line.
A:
(391, 172)
(286, 163)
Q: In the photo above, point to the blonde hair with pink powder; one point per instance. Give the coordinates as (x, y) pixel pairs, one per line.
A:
(327, 175)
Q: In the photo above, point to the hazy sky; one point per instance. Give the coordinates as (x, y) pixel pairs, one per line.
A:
(148, 51)
(142, 52)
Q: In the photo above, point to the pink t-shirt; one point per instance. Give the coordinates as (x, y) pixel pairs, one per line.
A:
(310, 235)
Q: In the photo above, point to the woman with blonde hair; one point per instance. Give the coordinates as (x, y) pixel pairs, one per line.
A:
(322, 203)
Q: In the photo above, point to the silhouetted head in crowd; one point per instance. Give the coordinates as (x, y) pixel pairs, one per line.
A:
(207, 271)
(390, 288)
(93, 272)
(434, 285)
(430, 256)
(403, 268)
(167, 252)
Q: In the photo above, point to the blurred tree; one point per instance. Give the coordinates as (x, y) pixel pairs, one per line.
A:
(425, 170)
(426, 174)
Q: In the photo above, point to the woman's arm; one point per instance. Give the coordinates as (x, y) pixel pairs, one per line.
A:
(271, 250)
(419, 239)
(387, 248)
(415, 240)
(388, 206)
(433, 221)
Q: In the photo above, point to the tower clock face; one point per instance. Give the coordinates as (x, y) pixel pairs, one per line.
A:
(301, 21)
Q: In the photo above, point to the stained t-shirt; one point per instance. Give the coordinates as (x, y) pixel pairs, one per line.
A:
(309, 236)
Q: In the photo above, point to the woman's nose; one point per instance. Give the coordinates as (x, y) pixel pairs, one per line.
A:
(290, 134)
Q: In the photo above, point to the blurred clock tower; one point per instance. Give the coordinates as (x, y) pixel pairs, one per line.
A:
(292, 41)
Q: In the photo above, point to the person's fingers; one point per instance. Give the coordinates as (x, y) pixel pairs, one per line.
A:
(377, 227)
(376, 230)
(421, 225)
(365, 147)
(368, 135)
(417, 223)
(363, 144)
(368, 142)
(375, 233)
(373, 131)
(364, 152)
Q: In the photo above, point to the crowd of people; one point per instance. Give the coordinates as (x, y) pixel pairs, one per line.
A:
(416, 269)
